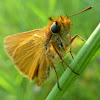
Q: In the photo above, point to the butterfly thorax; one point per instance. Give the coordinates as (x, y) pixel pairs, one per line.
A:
(61, 39)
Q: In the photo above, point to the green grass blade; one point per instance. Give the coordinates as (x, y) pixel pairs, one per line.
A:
(83, 58)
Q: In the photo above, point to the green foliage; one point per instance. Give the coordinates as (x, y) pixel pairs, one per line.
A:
(17, 16)
(80, 62)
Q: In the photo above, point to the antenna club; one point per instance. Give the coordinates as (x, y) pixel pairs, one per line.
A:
(90, 7)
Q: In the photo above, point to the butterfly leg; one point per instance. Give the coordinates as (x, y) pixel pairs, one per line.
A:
(51, 63)
(76, 36)
(62, 58)
(71, 52)
(69, 41)
(72, 39)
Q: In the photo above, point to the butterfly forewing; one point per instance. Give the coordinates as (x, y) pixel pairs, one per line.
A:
(26, 49)
(11, 42)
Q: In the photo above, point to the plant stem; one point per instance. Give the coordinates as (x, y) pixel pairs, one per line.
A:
(80, 62)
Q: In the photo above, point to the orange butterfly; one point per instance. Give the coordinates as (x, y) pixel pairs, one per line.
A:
(35, 51)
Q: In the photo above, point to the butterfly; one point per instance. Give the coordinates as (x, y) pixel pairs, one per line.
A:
(33, 52)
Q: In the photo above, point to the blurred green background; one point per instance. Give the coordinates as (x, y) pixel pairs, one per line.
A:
(18, 16)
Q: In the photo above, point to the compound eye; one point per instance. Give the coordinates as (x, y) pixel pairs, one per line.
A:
(55, 28)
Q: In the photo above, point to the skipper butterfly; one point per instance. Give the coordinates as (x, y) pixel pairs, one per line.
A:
(33, 52)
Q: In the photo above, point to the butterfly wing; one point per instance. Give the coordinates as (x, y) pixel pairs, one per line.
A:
(28, 53)
(11, 42)
(43, 71)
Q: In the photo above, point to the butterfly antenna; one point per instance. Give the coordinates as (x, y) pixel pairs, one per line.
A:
(81, 11)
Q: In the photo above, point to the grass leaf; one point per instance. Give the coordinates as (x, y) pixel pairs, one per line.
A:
(79, 64)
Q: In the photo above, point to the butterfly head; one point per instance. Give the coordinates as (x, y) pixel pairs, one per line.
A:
(60, 26)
